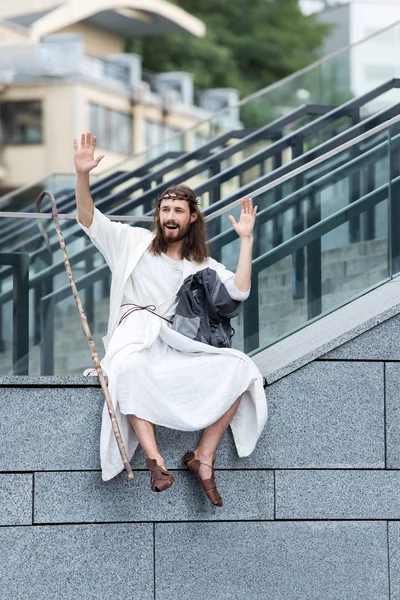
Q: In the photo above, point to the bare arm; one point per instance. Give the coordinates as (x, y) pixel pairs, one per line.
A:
(244, 228)
(84, 162)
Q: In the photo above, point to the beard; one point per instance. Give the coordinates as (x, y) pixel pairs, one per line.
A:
(174, 235)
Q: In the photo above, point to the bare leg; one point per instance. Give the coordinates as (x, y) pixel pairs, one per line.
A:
(144, 431)
(211, 437)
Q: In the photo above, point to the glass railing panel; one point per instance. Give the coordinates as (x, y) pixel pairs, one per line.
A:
(332, 275)
(71, 351)
(395, 197)
(280, 308)
(290, 207)
(322, 236)
(51, 327)
(349, 269)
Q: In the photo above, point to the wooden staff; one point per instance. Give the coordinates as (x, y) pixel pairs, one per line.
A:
(92, 347)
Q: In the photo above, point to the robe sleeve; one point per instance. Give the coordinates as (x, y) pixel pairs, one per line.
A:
(109, 236)
(227, 278)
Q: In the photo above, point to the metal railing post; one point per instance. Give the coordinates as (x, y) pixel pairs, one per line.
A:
(298, 259)
(354, 186)
(314, 262)
(19, 261)
(251, 319)
(395, 206)
(47, 335)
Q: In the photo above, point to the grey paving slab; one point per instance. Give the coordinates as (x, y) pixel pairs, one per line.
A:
(330, 332)
(379, 343)
(392, 382)
(50, 428)
(327, 414)
(15, 499)
(84, 497)
(85, 562)
(329, 494)
(394, 559)
(277, 561)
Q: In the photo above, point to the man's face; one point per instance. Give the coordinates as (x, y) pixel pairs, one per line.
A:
(175, 219)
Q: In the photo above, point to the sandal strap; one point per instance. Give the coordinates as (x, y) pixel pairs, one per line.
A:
(209, 485)
(158, 473)
(196, 462)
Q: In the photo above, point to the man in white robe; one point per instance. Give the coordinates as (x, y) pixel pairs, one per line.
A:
(156, 375)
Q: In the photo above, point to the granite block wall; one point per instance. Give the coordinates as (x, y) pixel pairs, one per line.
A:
(313, 513)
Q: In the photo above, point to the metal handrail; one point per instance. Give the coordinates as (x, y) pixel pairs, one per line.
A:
(100, 178)
(269, 212)
(282, 205)
(303, 168)
(300, 170)
(257, 192)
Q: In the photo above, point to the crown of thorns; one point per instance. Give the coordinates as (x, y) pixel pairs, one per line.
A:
(178, 196)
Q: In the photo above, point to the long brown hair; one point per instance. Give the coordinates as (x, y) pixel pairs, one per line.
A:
(194, 247)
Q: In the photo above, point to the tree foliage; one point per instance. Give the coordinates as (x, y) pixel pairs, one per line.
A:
(247, 46)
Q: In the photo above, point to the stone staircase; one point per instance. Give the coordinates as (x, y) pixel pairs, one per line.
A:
(312, 514)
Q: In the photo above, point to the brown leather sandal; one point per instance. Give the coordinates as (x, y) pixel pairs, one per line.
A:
(209, 485)
(160, 478)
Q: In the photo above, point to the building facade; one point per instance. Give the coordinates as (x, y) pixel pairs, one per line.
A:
(63, 70)
(356, 21)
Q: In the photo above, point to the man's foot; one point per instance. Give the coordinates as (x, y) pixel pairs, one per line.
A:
(205, 474)
(160, 479)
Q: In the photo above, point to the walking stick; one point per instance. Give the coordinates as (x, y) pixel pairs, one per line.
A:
(82, 314)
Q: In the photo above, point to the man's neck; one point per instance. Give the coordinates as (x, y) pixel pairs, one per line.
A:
(175, 250)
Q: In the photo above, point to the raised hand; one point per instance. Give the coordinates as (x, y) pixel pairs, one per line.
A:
(84, 156)
(244, 227)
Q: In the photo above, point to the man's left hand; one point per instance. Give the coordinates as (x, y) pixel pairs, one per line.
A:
(244, 227)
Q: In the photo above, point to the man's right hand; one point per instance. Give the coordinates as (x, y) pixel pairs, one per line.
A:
(84, 156)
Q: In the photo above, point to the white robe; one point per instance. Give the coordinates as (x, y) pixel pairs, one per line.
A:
(122, 246)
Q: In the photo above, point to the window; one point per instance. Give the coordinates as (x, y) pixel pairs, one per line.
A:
(21, 122)
(112, 128)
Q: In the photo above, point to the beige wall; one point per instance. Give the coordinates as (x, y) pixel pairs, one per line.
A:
(97, 42)
(26, 163)
(11, 37)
